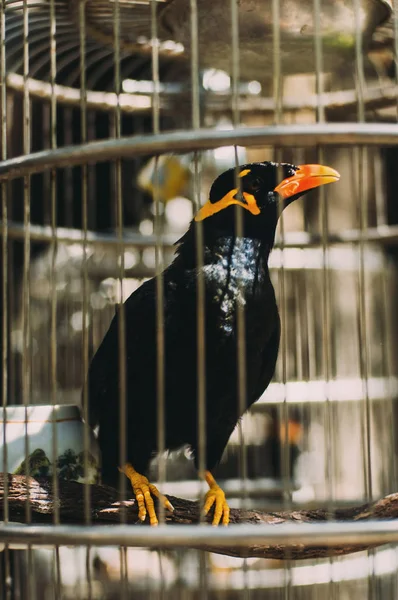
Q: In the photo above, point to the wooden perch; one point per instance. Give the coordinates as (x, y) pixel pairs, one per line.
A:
(107, 509)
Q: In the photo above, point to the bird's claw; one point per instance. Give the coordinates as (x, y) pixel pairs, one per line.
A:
(155, 492)
(143, 491)
(216, 496)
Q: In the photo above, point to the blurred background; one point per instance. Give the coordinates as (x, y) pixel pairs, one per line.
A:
(324, 431)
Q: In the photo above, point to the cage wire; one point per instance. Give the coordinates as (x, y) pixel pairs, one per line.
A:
(116, 117)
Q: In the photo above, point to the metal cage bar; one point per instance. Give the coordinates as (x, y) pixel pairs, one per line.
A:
(331, 134)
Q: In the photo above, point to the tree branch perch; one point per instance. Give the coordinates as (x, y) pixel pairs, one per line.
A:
(107, 509)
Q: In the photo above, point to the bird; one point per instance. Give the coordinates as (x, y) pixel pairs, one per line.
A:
(236, 229)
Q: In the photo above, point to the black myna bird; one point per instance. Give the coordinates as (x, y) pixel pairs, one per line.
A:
(235, 272)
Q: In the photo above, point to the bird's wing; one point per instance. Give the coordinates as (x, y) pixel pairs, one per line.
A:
(139, 325)
(269, 358)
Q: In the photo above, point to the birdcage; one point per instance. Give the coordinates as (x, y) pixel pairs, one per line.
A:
(116, 117)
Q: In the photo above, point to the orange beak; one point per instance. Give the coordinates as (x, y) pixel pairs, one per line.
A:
(306, 178)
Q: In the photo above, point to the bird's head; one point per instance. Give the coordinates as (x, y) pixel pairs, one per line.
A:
(260, 191)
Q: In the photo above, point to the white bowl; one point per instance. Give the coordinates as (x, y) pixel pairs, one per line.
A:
(31, 431)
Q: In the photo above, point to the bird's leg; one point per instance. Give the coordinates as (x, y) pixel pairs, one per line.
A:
(216, 495)
(143, 490)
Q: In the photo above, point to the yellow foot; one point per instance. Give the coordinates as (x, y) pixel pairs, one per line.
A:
(143, 490)
(217, 496)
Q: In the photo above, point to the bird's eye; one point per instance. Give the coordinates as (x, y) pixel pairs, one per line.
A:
(254, 184)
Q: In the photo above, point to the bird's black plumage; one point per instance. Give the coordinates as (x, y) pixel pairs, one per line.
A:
(235, 272)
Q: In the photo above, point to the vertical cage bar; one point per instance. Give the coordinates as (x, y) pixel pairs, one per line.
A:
(276, 62)
(4, 268)
(201, 342)
(12, 301)
(360, 82)
(122, 320)
(85, 340)
(68, 193)
(318, 61)
(328, 423)
(4, 231)
(26, 332)
(124, 572)
(200, 290)
(83, 136)
(159, 266)
(155, 69)
(53, 290)
(364, 357)
(240, 305)
(283, 411)
(362, 162)
(26, 364)
(380, 195)
(298, 328)
(325, 293)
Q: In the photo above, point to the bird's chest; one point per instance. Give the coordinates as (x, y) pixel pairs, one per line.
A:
(241, 314)
(239, 299)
